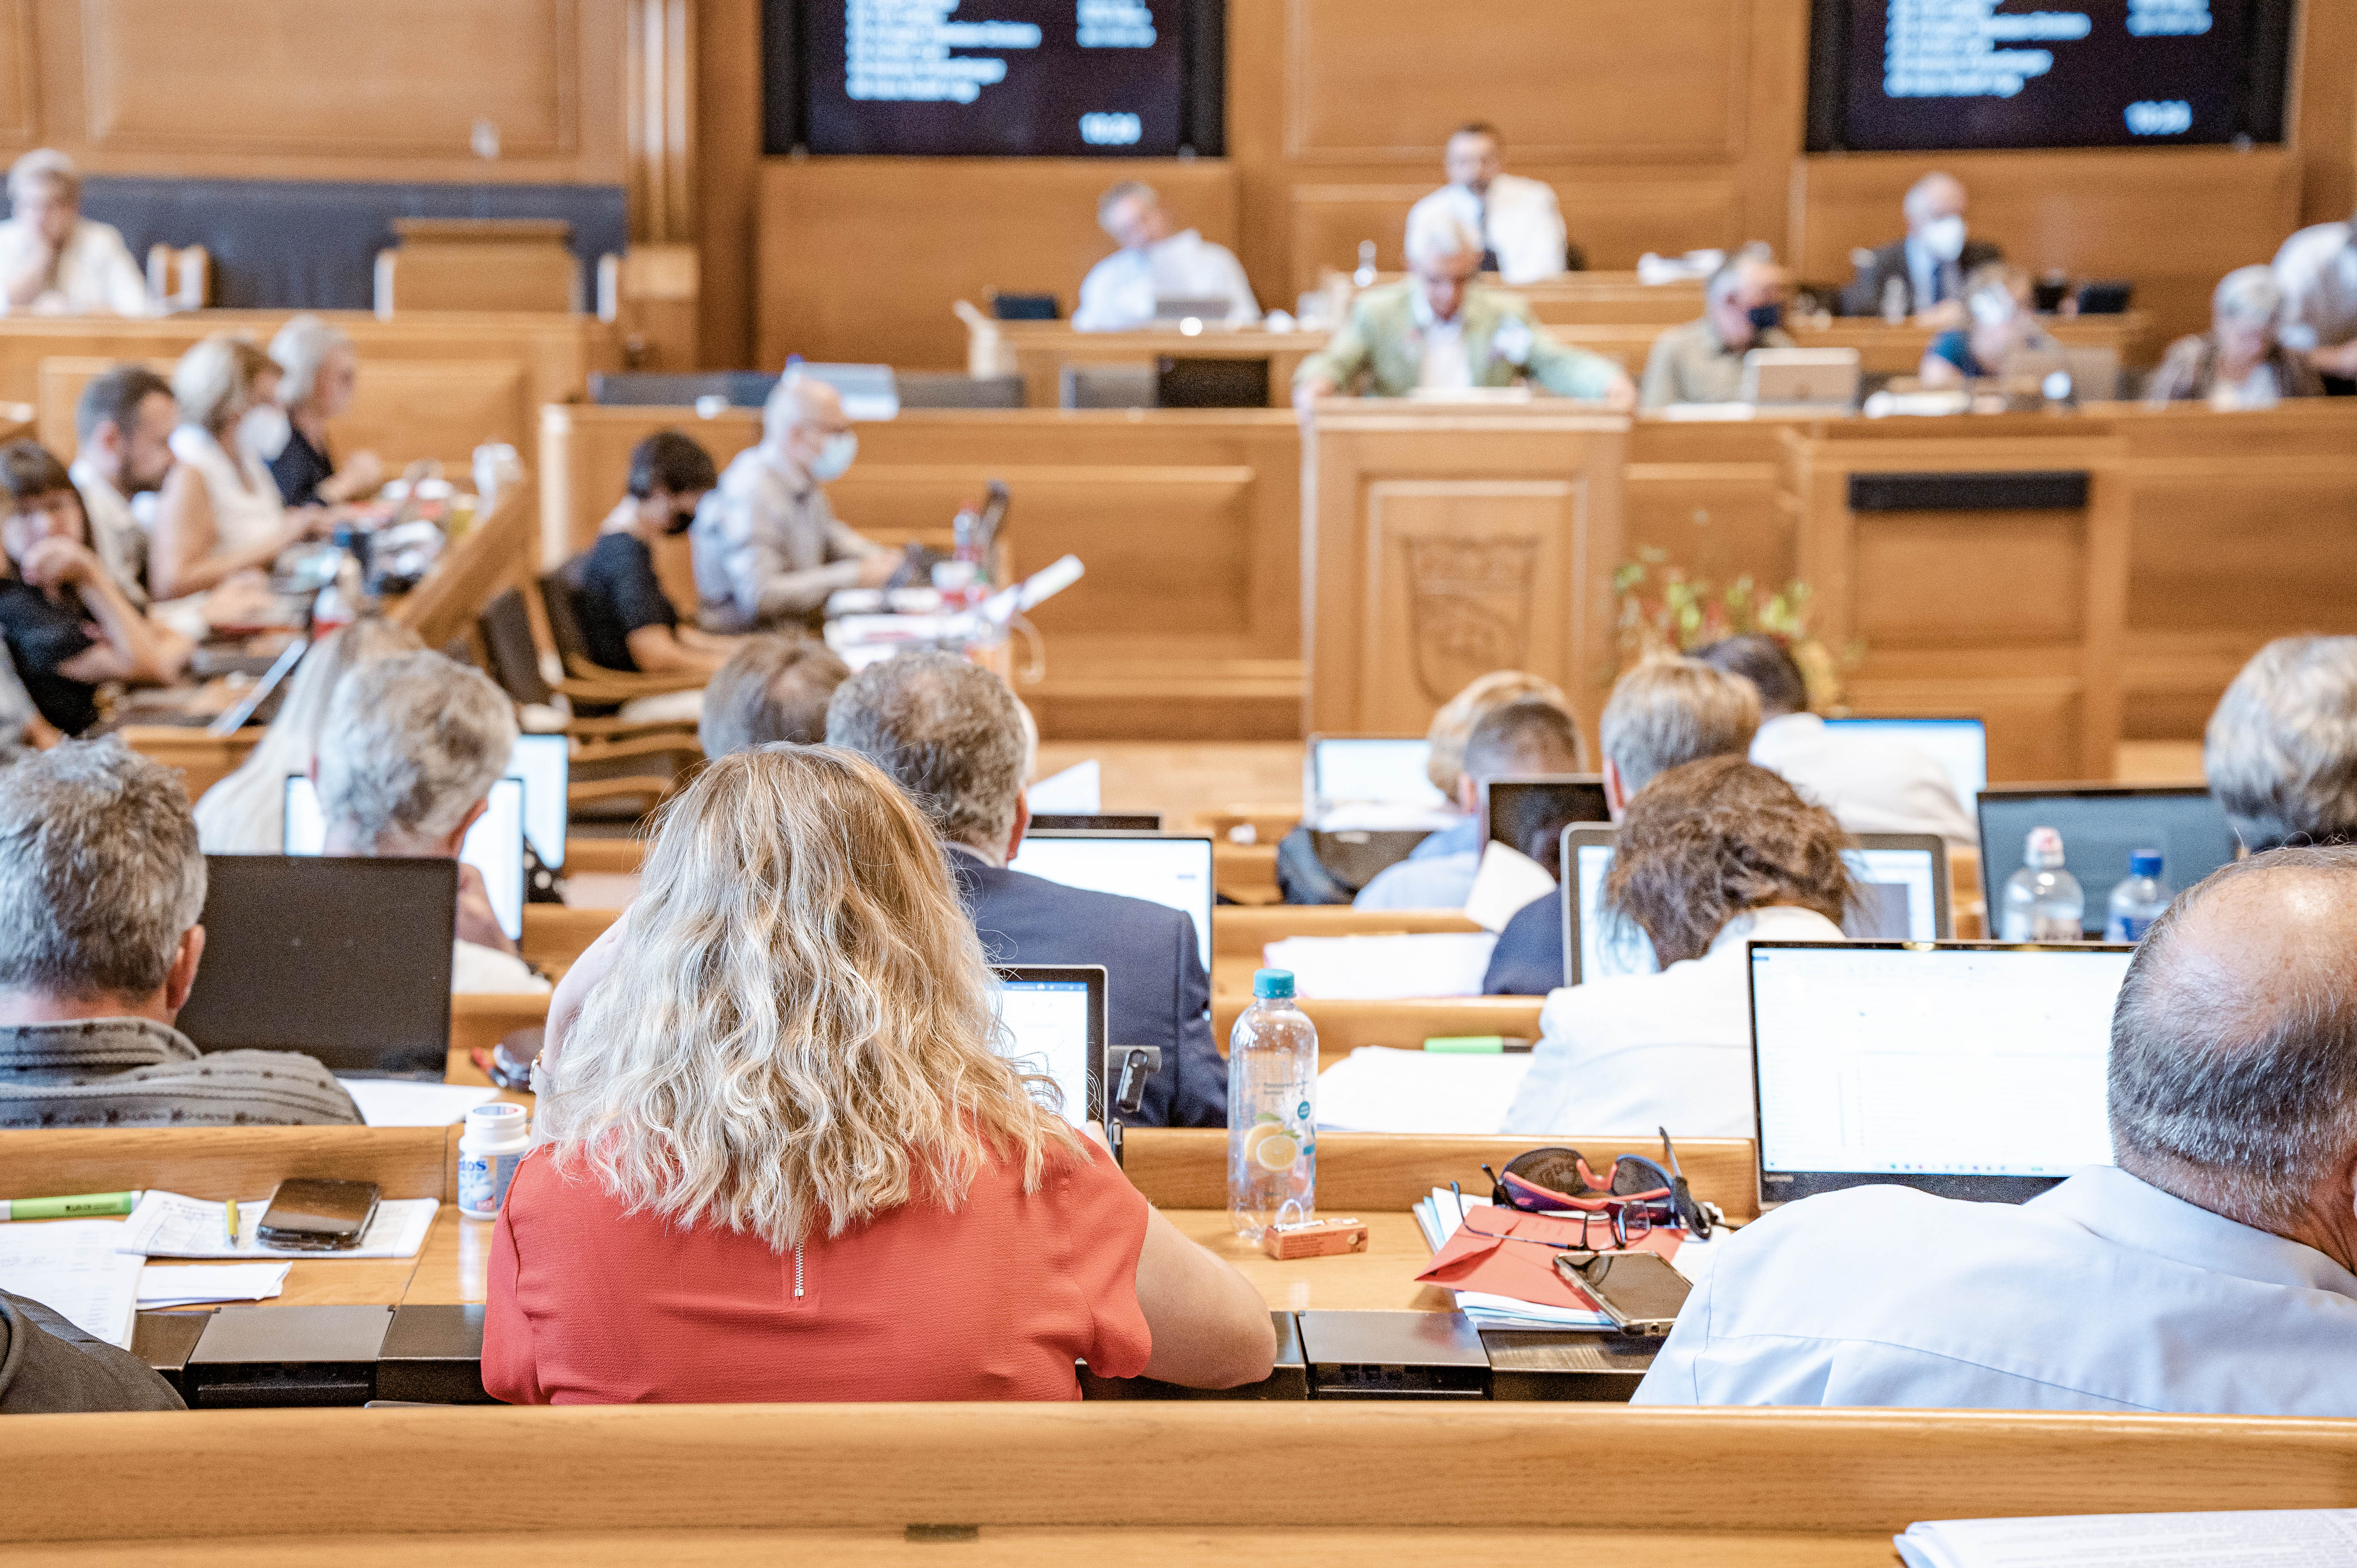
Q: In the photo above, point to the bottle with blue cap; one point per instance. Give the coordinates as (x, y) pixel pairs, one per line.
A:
(2139, 899)
(1272, 1115)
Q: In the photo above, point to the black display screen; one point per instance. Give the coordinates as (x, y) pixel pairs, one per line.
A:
(999, 77)
(1922, 75)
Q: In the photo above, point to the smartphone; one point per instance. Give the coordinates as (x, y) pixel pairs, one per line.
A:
(1640, 1291)
(317, 1215)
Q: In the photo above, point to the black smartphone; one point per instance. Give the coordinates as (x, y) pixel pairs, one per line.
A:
(317, 1215)
(1640, 1291)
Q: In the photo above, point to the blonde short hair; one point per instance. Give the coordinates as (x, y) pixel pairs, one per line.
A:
(45, 166)
(301, 347)
(1669, 712)
(799, 1029)
(1460, 716)
(213, 377)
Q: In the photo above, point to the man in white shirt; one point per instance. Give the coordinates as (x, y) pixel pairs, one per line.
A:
(2209, 1274)
(1518, 221)
(124, 423)
(54, 262)
(1874, 784)
(1153, 263)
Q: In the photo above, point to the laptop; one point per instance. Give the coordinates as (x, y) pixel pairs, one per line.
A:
(1969, 1070)
(1901, 878)
(1529, 812)
(2101, 825)
(544, 764)
(1958, 746)
(1801, 378)
(1374, 782)
(345, 959)
(1207, 308)
(1175, 873)
(1054, 1023)
(1099, 822)
(494, 845)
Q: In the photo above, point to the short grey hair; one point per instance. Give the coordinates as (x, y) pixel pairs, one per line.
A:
(1923, 188)
(1436, 234)
(1755, 256)
(2249, 294)
(2281, 749)
(99, 872)
(301, 347)
(772, 689)
(782, 410)
(2236, 1096)
(45, 166)
(947, 731)
(1669, 712)
(1120, 192)
(412, 743)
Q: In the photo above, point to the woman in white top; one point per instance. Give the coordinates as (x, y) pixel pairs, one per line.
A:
(245, 813)
(1711, 855)
(220, 513)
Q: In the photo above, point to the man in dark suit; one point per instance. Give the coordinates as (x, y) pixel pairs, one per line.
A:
(1931, 264)
(949, 733)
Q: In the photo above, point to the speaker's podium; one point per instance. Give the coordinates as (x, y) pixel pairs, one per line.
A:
(1443, 540)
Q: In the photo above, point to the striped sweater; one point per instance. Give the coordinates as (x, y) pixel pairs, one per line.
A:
(135, 1073)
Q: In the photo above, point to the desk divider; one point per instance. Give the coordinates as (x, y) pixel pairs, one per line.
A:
(217, 1163)
(1344, 1027)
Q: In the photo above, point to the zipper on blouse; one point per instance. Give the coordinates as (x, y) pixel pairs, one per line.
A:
(798, 1271)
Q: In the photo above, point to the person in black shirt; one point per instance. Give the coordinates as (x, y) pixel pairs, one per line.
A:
(68, 628)
(321, 370)
(628, 619)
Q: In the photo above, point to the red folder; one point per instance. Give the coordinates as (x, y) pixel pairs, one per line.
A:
(1501, 1251)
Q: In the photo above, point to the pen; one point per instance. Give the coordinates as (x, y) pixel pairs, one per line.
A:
(1475, 1044)
(80, 1206)
(229, 1219)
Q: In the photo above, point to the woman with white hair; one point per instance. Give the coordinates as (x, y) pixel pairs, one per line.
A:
(220, 513)
(788, 1160)
(54, 261)
(320, 369)
(2239, 362)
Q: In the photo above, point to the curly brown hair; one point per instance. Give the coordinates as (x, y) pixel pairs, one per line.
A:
(1705, 842)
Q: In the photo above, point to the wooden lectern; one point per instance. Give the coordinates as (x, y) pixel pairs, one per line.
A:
(1441, 540)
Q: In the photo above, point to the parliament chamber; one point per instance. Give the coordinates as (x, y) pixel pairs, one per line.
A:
(1808, 526)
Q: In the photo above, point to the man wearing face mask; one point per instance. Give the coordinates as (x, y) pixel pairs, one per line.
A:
(1436, 333)
(627, 618)
(1931, 264)
(768, 548)
(1743, 309)
(1999, 323)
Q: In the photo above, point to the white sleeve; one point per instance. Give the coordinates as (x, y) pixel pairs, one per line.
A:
(121, 281)
(1095, 312)
(1238, 288)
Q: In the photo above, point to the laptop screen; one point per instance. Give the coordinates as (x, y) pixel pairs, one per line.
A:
(1902, 896)
(543, 762)
(1175, 873)
(494, 845)
(1966, 1070)
(2101, 827)
(1530, 814)
(1958, 746)
(1054, 1023)
(1374, 782)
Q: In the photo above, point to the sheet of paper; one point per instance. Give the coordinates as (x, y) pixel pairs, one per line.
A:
(1378, 1089)
(74, 1268)
(400, 1102)
(2273, 1538)
(1507, 881)
(1382, 969)
(185, 1285)
(1077, 791)
(167, 1225)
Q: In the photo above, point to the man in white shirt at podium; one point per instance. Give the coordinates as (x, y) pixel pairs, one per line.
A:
(1519, 222)
(1120, 294)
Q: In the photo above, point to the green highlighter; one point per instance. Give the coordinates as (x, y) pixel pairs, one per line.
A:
(1475, 1044)
(78, 1205)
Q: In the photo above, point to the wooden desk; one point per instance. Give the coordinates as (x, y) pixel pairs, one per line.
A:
(1039, 351)
(202, 759)
(1596, 298)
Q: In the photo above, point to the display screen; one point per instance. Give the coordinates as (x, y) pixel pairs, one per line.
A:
(1175, 873)
(1046, 1032)
(1920, 75)
(997, 77)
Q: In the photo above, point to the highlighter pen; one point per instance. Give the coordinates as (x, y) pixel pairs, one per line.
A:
(81, 1206)
(1475, 1044)
(229, 1219)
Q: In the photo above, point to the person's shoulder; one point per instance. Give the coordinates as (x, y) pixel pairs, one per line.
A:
(91, 231)
(1384, 302)
(1673, 338)
(1522, 188)
(2316, 244)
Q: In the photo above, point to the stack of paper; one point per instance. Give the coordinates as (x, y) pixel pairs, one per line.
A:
(1376, 1089)
(190, 1284)
(76, 1269)
(1439, 1218)
(403, 1102)
(2310, 1538)
(167, 1225)
(1383, 968)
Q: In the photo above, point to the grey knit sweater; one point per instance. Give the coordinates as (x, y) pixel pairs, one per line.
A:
(133, 1072)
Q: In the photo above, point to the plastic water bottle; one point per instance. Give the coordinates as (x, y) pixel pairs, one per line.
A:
(1272, 1122)
(2139, 898)
(1894, 302)
(1365, 276)
(2043, 901)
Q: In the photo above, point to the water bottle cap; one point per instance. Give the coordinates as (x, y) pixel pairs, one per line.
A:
(1272, 982)
(2145, 863)
(2044, 849)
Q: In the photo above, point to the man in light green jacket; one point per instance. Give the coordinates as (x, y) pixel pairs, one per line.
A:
(1436, 332)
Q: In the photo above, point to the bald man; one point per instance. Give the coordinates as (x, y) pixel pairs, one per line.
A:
(2208, 1273)
(767, 549)
(1931, 264)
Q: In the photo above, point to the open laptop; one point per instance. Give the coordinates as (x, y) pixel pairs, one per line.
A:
(1958, 746)
(1374, 782)
(1969, 1070)
(1801, 378)
(1175, 873)
(1054, 1023)
(1211, 310)
(544, 764)
(1529, 812)
(2101, 825)
(494, 845)
(345, 959)
(1098, 822)
(1901, 878)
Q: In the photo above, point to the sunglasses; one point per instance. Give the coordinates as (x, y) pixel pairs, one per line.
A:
(1638, 1196)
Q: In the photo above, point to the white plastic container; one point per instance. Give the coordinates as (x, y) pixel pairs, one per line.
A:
(496, 1137)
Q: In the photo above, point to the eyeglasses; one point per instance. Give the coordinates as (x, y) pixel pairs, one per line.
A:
(1560, 1181)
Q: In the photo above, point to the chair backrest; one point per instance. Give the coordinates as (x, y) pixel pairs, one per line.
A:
(506, 624)
(1107, 386)
(557, 591)
(647, 388)
(478, 263)
(944, 388)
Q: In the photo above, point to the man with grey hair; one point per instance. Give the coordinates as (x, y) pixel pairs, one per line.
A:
(1702, 362)
(767, 548)
(2209, 1272)
(1122, 292)
(772, 689)
(404, 766)
(101, 889)
(1666, 713)
(1924, 273)
(951, 735)
(2242, 361)
(54, 262)
(2281, 749)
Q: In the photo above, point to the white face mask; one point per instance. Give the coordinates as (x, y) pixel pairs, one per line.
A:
(1944, 237)
(1991, 307)
(264, 431)
(833, 459)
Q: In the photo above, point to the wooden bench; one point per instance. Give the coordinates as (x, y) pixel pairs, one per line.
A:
(1344, 1027)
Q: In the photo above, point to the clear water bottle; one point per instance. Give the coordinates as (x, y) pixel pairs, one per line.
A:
(1272, 1125)
(2139, 898)
(1894, 302)
(1365, 276)
(2043, 901)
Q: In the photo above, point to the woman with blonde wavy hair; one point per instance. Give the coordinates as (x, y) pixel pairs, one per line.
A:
(788, 1161)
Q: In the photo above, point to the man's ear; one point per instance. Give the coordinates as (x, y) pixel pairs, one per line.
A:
(1022, 826)
(1469, 794)
(1616, 797)
(181, 978)
(451, 845)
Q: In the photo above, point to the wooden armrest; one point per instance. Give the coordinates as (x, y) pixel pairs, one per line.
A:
(593, 730)
(681, 745)
(620, 685)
